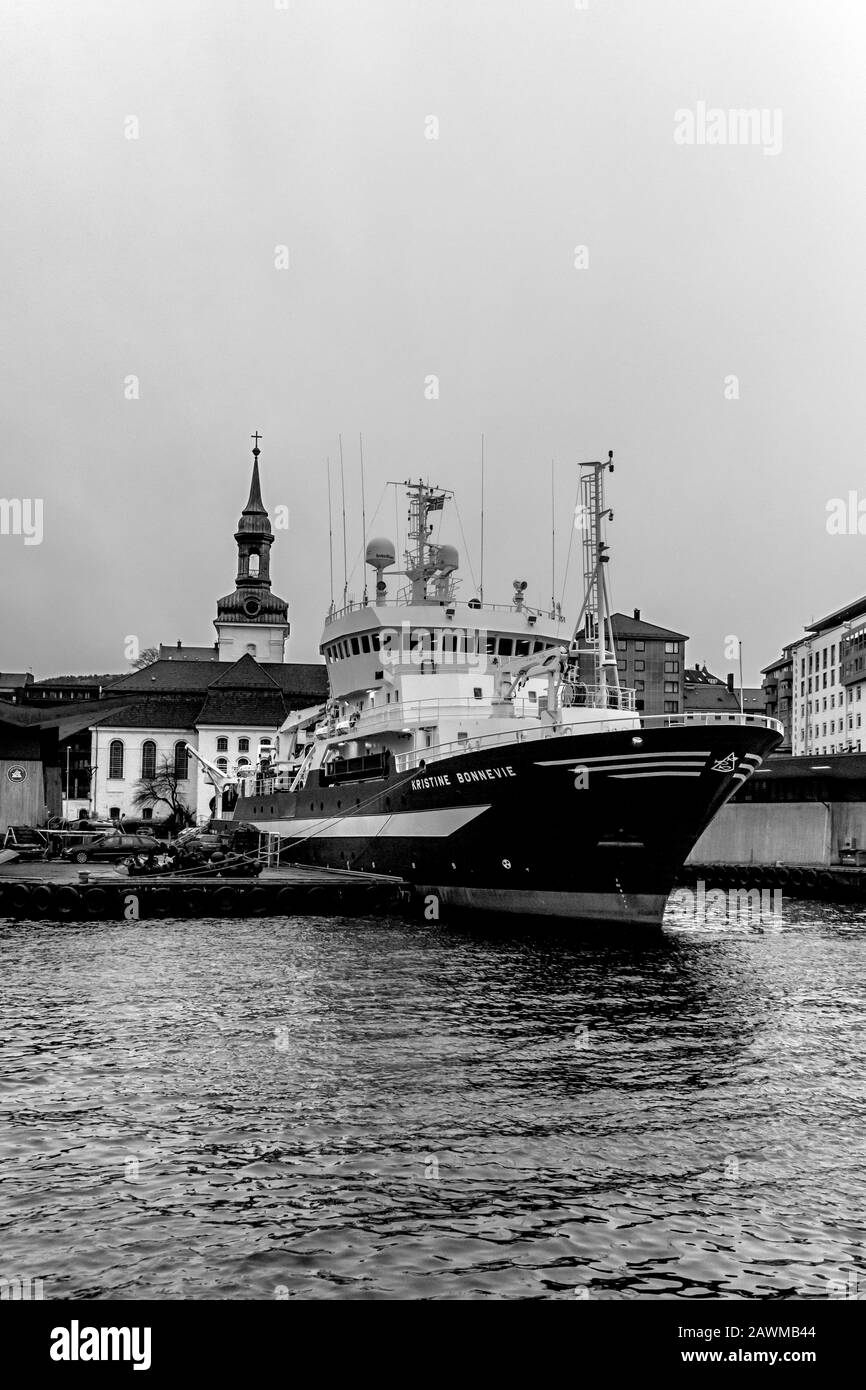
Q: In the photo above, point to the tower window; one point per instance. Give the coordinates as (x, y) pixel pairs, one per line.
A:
(253, 570)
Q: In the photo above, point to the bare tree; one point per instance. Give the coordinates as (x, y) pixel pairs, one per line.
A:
(146, 657)
(163, 789)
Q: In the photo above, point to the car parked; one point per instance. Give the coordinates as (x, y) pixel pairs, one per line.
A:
(115, 846)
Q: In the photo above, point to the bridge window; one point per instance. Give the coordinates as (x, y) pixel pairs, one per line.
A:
(521, 647)
(356, 647)
(365, 643)
(506, 646)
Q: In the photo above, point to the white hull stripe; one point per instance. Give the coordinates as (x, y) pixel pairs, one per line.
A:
(638, 767)
(632, 776)
(675, 755)
(435, 824)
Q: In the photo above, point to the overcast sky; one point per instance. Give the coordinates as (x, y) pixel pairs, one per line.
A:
(306, 127)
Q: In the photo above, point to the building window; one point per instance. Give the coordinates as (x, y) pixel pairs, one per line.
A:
(115, 760)
(671, 706)
(147, 813)
(671, 688)
(672, 648)
(621, 646)
(639, 646)
(114, 813)
(222, 745)
(639, 685)
(639, 665)
(672, 668)
(243, 745)
(148, 758)
(222, 764)
(181, 762)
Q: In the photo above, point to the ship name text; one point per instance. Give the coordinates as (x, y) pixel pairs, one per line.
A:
(480, 774)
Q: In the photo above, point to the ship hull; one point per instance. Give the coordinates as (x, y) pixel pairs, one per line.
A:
(585, 827)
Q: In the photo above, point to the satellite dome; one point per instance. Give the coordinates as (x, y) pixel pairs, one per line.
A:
(380, 553)
(448, 557)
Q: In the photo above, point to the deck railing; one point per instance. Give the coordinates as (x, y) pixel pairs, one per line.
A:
(405, 762)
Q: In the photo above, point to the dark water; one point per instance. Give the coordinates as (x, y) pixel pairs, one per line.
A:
(326, 1109)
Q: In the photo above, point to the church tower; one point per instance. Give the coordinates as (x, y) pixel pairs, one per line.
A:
(252, 619)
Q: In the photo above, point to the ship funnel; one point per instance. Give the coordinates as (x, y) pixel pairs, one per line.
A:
(380, 553)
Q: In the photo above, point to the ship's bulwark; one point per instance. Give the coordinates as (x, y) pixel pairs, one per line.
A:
(594, 828)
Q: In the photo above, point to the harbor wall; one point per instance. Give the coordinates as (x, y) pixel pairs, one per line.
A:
(793, 832)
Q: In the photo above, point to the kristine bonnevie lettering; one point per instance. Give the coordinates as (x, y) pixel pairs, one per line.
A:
(480, 774)
(76, 1343)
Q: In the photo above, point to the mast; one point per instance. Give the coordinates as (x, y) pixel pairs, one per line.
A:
(481, 585)
(363, 515)
(423, 558)
(330, 535)
(343, 485)
(597, 637)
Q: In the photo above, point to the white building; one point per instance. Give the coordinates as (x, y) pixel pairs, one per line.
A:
(224, 702)
(829, 673)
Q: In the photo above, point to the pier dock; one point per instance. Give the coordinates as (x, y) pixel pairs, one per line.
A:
(56, 891)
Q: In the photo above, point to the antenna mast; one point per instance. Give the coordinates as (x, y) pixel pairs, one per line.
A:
(330, 535)
(552, 544)
(596, 637)
(343, 485)
(481, 586)
(363, 515)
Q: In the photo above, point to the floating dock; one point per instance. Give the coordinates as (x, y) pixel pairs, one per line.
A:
(58, 892)
(828, 883)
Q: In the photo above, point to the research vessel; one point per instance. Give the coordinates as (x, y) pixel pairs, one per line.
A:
(487, 753)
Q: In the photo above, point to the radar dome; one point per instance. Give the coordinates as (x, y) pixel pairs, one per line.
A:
(380, 553)
(449, 558)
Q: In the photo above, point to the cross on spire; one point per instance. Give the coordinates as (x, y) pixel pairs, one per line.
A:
(256, 437)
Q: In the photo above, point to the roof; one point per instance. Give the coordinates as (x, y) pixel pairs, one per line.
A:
(296, 679)
(710, 697)
(155, 712)
(624, 626)
(842, 615)
(777, 664)
(255, 707)
(15, 678)
(699, 675)
(243, 674)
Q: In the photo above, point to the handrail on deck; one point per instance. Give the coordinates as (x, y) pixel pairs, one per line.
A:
(404, 762)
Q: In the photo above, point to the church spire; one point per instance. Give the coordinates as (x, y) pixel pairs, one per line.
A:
(252, 619)
(254, 512)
